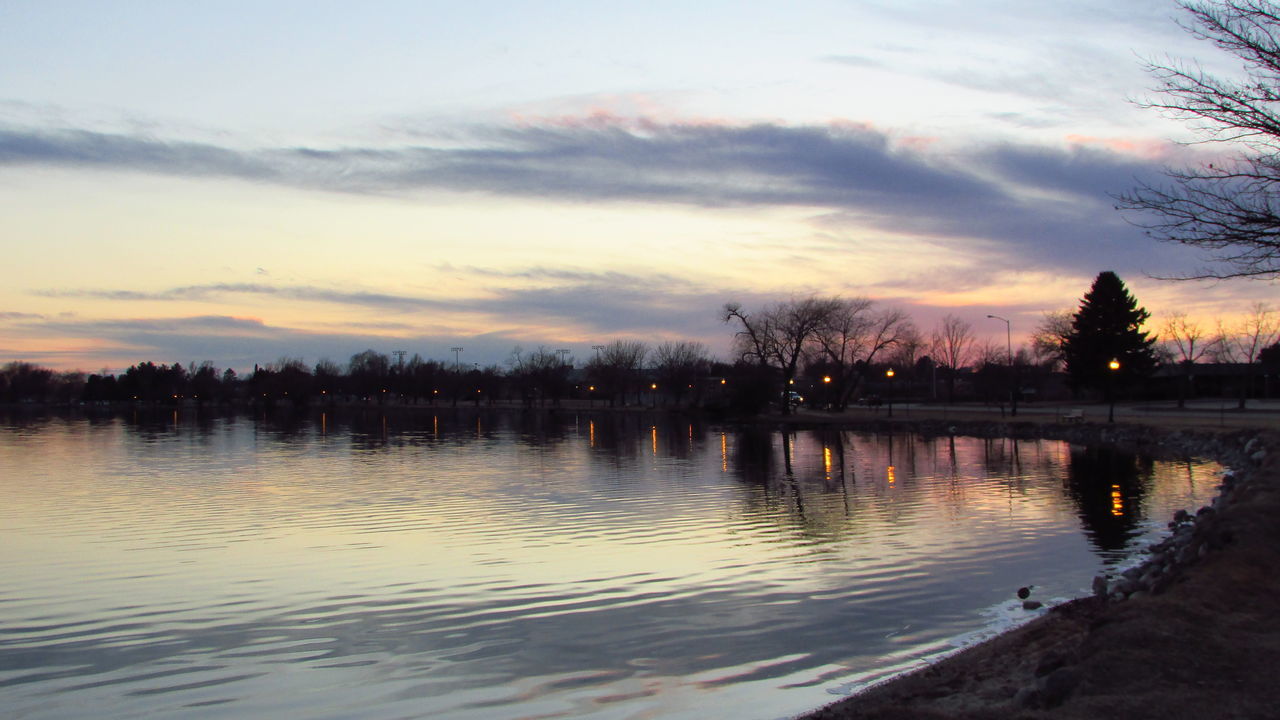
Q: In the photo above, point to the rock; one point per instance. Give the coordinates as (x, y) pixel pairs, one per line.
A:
(1032, 604)
(1099, 586)
(1057, 685)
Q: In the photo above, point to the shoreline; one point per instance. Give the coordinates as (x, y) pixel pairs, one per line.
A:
(1144, 644)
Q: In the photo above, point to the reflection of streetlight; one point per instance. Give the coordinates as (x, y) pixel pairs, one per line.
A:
(1013, 381)
(889, 374)
(1114, 365)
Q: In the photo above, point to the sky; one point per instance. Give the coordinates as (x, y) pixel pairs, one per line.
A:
(243, 181)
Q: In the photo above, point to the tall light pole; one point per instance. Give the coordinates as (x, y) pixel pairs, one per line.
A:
(597, 348)
(889, 374)
(457, 358)
(1112, 367)
(1013, 376)
(563, 353)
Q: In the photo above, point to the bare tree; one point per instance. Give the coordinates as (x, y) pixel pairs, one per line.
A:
(678, 366)
(851, 338)
(1048, 339)
(1186, 344)
(618, 367)
(951, 347)
(1229, 209)
(779, 335)
(1244, 342)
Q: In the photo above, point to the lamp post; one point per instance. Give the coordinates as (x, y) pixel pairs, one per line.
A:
(457, 358)
(1013, 381)
(826, 391)
(889, 374)
(1112, 366)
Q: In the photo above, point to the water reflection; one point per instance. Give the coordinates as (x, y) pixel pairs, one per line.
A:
(1108, 487)
(472, 563)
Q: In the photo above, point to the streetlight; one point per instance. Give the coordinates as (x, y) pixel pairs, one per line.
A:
(890, 376)
(457, 358)
(826, 392)
(1013, 382)
(1113, 366)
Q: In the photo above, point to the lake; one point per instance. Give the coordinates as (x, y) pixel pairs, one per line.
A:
(473, 564)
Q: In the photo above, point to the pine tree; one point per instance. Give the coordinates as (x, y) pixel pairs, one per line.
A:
(1108, 326)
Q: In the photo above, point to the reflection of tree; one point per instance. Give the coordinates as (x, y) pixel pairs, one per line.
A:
(753, 455)
(1107, 486)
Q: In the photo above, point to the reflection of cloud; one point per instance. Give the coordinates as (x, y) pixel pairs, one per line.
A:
(1040, 205)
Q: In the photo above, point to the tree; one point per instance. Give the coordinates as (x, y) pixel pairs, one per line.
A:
(1107, 327)
(850, 338)
(1185, 341)
(1229, 209)
(1244, 343)
(951, 346)
(779, 335)
(617, 368)
(1049, 336)
(678, 365)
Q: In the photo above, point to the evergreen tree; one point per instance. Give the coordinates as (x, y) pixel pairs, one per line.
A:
(1108, 326)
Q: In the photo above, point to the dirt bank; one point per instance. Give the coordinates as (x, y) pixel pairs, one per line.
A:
(1202, 641)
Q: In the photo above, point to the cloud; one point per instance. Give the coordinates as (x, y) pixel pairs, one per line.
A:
(1037, 204)
(214, 291)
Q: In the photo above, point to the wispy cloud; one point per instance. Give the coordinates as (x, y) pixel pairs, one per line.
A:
(1002, 195)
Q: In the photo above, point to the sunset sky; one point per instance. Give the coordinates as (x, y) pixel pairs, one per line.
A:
(240, 181)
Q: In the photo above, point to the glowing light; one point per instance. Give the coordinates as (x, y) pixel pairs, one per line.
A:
(1117, 501)
(1114, 364)
(892, 474)
(826, 461)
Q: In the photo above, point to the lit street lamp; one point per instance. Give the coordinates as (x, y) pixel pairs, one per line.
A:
(1113, 366)
(889, 374)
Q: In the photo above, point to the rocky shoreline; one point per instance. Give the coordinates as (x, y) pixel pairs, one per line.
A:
(1182, 634)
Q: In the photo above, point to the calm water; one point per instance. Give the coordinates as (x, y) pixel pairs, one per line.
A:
(504, 566)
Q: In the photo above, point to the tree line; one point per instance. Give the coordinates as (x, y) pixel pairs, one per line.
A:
(825, 351)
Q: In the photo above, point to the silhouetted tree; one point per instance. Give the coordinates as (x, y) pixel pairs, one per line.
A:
(1243, 343)
(1231, 209)
(1108, 326)
(617, 368)
(779, 335)
(851, 337)
(368, 373)
(678, 366)
(951, 347)
(26, 382)
(538, 375)
(204, 383)
(1186, 344)
(1049, 336)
